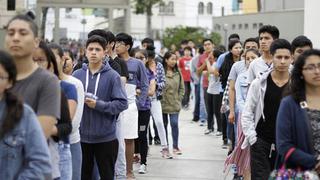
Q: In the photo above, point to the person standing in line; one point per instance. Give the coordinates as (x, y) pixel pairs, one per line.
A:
(260, 111)
(299, 45)
(267, 34)
(297, 128)
(37, 87)
(68, 59)
(18, 120)
(214, 99)
(184, 64)
(137, 76)
(105, 98)
(172, 96)
(196, 82)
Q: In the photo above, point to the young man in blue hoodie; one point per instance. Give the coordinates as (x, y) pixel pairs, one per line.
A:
(105, 98)
(137, 85)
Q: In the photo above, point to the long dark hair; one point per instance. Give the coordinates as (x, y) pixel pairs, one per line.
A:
(166, 56)
(14, 107)
(297, 87)
(50, 57)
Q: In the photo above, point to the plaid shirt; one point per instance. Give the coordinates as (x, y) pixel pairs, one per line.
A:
(160, 79)
(225, 99)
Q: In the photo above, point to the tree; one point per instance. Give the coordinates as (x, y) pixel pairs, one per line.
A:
(177, 34)
(145, 6)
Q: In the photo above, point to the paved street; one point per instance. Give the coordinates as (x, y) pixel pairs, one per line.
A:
(202, 158)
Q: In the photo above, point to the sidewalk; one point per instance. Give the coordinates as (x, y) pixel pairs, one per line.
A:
(202, 158)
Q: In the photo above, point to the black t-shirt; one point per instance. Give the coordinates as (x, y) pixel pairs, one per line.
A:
(114, 65)
(123, 66)
(266, 128)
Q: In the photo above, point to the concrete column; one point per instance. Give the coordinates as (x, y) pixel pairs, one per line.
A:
(56, 33)
(38, 15)
(111, 21)
(311, 25)
(128, 19)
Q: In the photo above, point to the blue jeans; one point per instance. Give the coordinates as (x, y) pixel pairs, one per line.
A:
(65, 162)
(174, 127)
(196, 112)
(76, 154)
(203, 111)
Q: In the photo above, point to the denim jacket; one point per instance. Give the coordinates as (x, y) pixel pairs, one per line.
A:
(24, 151)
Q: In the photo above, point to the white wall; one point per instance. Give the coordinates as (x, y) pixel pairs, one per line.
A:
(311, 21)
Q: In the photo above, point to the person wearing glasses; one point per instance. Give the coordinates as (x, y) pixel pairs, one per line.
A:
(298, 120)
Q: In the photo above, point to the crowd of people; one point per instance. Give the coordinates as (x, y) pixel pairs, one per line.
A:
(88, 116)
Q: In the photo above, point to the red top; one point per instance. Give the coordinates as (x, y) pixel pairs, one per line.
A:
(202, 59)
(184, 65)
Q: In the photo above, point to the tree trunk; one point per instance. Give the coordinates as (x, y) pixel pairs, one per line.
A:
(43, 22)
(149, 24)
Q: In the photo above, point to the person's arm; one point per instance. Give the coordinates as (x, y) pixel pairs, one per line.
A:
(231, 101)
(284, 137)
(72, 100)
(181, 87)
(152, 87)
(72, 107)
(251, 74)
(37, 163)
(118, 102)
(144, 82)
(248, 114)
(201, 68)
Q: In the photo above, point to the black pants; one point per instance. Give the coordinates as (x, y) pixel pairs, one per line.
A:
(105, 154)
(205, 96)
(214, 105)
(187, 90)
(261, 163)
(141, 143)
(224, 118)
(196, 112)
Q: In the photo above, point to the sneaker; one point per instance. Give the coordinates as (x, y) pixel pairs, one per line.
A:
(202, 123)
(225, 144)
(218, 133)
(150, 142)
(166, 154)
(208, 131)
(157, 142)
(143, 169)
(177, 151)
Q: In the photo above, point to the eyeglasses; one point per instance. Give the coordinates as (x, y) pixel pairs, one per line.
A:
(119, 44)
(2, 78)
(141, 58)
(312, 67)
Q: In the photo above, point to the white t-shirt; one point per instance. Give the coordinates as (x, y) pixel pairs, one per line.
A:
(75, 135)
(214, 83)
(257, 68)
(236, 69)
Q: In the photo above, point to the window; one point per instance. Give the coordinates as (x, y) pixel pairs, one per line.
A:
(170, 7)
(254, 25)
(233, 26)
(246, 26)
(209, 8)
(260, 24)
(162, 7)
(217, 27)
(239, 26)
(200, 8)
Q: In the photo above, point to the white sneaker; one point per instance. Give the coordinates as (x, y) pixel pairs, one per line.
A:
(143, 169)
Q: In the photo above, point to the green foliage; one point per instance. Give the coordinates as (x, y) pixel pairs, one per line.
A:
(144, 6)
(177, 34)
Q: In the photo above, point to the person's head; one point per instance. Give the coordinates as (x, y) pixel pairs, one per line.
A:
(95, 48)
(141, 54)
(305, 74)
(124, 43)
(280, 50)
(187, 51)
(216, 53)
(235, 47)
(191, 43)
(45, 58)
(151, 57)
(250, 55)
(251, 43)
(173, 47)
(201, 50)
(233, 37)
(222, 48)
(58, 52)
(208, 45)
(13, 110)
(183, 43)
(107, 35)
(267, 34)
(67, 61)
(21, 37)
(170, 61)
(299, 45)
(147, 42)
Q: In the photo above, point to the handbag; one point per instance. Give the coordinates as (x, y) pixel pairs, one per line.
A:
(292, 174)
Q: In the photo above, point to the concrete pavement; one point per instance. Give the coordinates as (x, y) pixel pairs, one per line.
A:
(202, 158)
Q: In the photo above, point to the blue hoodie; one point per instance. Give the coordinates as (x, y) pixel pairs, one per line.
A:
(99, 124)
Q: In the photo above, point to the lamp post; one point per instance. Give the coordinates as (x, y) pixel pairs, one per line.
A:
(83, 22)
(225, 29)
